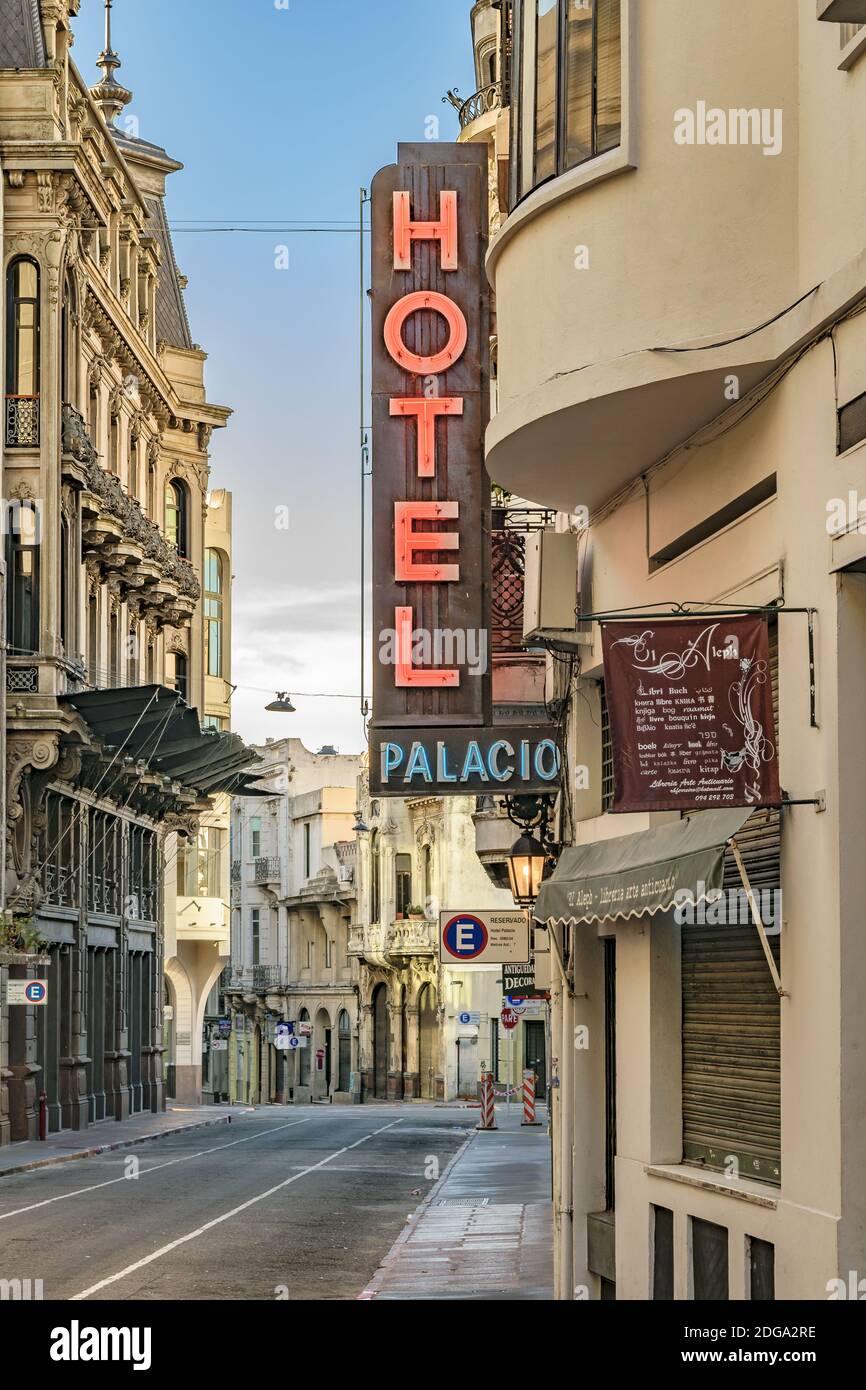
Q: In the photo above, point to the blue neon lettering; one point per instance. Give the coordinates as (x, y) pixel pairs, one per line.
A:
(500, 774)
(474, 762)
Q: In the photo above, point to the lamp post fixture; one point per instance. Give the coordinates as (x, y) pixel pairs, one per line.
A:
(525, 870)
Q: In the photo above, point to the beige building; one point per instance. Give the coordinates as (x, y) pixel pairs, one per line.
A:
(293, 899)
(681, 370)
(118, 570)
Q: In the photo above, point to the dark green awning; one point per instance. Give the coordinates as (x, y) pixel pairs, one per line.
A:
(634, 875)
(151, 723)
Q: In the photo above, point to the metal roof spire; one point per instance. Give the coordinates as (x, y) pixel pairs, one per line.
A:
(108, 93)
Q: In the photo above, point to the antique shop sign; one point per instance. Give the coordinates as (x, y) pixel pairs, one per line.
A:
(691, 714)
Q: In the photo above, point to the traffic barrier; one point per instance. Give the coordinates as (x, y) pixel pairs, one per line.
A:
(529, 1099)
(488, 1114)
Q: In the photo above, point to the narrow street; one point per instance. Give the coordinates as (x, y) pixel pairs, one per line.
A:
(282, 1203)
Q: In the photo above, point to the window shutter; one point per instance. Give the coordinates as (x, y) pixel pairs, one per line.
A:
(731, 1018)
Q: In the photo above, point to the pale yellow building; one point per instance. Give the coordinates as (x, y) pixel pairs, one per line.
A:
(679, 282)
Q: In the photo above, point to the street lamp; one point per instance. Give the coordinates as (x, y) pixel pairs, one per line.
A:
(282, 704)
(525, 869)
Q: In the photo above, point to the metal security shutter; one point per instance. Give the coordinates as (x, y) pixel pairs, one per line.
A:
(731, 1017)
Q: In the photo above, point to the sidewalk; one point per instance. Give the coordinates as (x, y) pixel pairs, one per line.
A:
(109, 1135)
(486, 1229)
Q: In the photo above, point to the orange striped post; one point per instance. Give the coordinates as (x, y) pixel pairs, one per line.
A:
(529, 1099)
(488, 1115)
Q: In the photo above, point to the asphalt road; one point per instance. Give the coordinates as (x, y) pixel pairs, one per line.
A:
(284, 1203)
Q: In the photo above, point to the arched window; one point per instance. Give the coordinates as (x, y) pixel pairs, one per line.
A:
(177, 674)
(213, 611)
(177, 516)
(22, 354)
(375, 877)
(68, 365)
(22, 583)
(114, 444)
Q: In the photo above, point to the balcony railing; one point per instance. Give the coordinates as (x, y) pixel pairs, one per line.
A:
(22, 422)
(258, 978)
(480, 103)
(266, 870)
(393, 940)
(236, 871)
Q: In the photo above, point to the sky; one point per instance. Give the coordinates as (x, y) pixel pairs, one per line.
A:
(281, 110)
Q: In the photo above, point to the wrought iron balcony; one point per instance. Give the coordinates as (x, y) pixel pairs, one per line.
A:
(483, 101)
(22, 422)
(266, 870)
(236, 871)
(258, 978)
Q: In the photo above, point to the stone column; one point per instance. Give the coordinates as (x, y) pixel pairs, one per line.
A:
(395, 1051)
(5, 1073)
(74, 1024)
(412, 1075)
(23, 1071)
(365, 1050)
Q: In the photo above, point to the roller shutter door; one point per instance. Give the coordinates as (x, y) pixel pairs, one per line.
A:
(731, 1017)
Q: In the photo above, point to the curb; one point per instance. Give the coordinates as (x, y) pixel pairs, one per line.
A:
(110, 1148)
(374, 1285)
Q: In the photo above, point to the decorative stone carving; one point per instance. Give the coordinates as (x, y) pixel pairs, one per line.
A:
(45, 190)
(74, 437)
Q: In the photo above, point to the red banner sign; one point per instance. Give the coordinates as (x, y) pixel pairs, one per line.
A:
(690, 704)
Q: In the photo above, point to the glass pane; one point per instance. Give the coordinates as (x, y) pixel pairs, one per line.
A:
(608, 68)
(545, 88)
(578, 116)
(27, 280)
(25, 383)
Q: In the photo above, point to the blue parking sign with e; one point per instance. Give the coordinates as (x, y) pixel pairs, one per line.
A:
(35, 992)
(465, 936)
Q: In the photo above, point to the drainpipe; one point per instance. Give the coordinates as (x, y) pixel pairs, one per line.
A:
(566, 1136)
(556, 995)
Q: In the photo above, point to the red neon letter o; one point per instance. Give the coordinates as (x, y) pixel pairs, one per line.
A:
(457, 333)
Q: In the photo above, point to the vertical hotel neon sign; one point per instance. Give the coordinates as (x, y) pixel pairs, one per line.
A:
(431, 336)
(425, 410)
(432, 727)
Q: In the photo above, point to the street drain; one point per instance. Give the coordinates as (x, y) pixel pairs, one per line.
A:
(463, 1202)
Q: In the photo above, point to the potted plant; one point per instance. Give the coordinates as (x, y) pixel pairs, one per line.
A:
(20, 941)
(415, 913)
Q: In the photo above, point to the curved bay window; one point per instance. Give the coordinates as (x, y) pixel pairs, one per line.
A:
(566, 88)
(177, 517)
(213, 611)
(22, 581)
(22, 354)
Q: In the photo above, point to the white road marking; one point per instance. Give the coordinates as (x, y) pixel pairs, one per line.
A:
(144, 1172)
(218, 1220)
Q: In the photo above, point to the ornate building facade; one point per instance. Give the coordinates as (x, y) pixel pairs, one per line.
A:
(113, 598)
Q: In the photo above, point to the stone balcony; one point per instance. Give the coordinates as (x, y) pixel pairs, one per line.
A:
(123, 544)
(392, 944)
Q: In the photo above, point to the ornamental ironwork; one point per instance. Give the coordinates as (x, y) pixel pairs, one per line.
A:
(22, 422)
(486, 99)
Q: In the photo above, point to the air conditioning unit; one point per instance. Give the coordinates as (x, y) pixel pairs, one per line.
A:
(550, 585)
